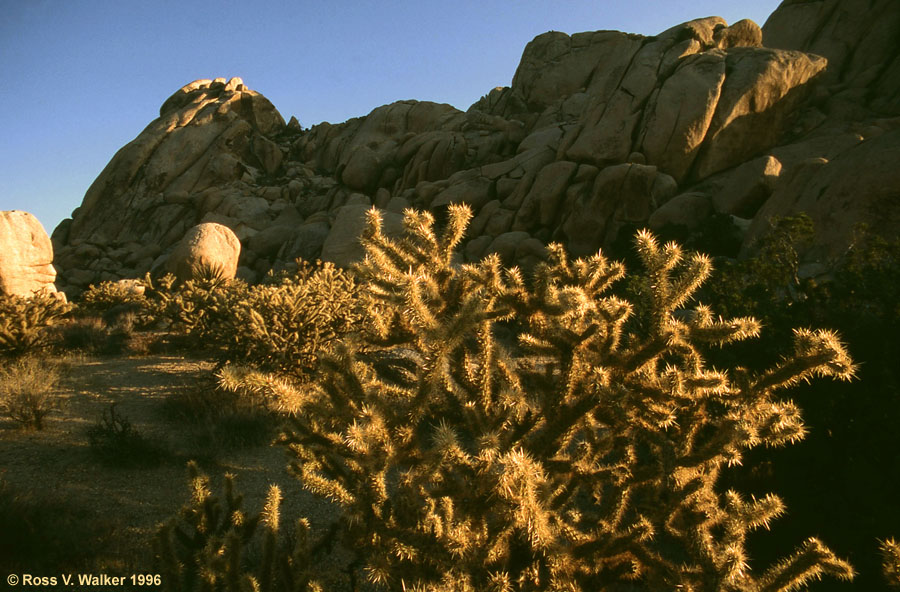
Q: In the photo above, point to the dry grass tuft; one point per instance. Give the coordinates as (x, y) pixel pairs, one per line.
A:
(28, 390)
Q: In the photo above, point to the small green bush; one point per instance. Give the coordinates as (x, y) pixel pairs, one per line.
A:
(28, 390)
(864, 289)
(24, 322)
(769, 281)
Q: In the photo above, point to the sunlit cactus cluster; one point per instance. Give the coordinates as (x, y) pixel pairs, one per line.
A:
(482, 430)
(282, 324)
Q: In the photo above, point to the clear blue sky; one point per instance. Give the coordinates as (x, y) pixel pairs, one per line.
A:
(81, 78)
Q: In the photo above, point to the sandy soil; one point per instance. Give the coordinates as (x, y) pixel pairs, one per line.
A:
(128, 504)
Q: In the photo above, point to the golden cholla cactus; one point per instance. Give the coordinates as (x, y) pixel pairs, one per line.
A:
(287, 325)
(485, 433)
(284, 324)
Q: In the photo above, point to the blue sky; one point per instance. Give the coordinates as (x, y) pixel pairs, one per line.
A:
(81, 78)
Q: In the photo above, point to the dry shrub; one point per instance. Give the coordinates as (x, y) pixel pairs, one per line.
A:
(92, 335)
(28, 391)
(219, 419)
(116, 442)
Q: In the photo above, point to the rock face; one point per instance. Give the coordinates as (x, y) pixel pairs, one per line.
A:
(838, 198)
(207, 246)
(342, 246)
(26, 255)
(599, 133)
(859, 39)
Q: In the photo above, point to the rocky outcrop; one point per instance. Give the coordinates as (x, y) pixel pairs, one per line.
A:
(342, 245)
(859, 40)
(621, 196)
(197, 161)
(206, 248)
(697, 99)
(599, 133)
(26, 255)
(838, 197)
(838, 165)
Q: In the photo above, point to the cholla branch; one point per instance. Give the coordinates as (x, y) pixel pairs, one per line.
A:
(811, 561)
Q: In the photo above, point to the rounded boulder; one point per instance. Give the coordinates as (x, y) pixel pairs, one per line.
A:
(207, 247)
(26, 255)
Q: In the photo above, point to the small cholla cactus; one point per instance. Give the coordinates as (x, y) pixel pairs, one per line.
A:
(200, 308)
(99, 298)
(206, 548)
(287, 326)
(482, 432)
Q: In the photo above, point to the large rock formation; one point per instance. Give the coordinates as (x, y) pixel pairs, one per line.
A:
(185, 168)
(598, 134)
(26, 255)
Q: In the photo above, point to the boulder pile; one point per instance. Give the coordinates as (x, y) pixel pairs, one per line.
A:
(598, 134)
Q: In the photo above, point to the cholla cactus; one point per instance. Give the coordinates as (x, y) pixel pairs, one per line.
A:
(890, 558)
(283, 326)
(488, 434)
(24, 322)
(99, 298)
(286, 326)
(200, 308)
(207, 548)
